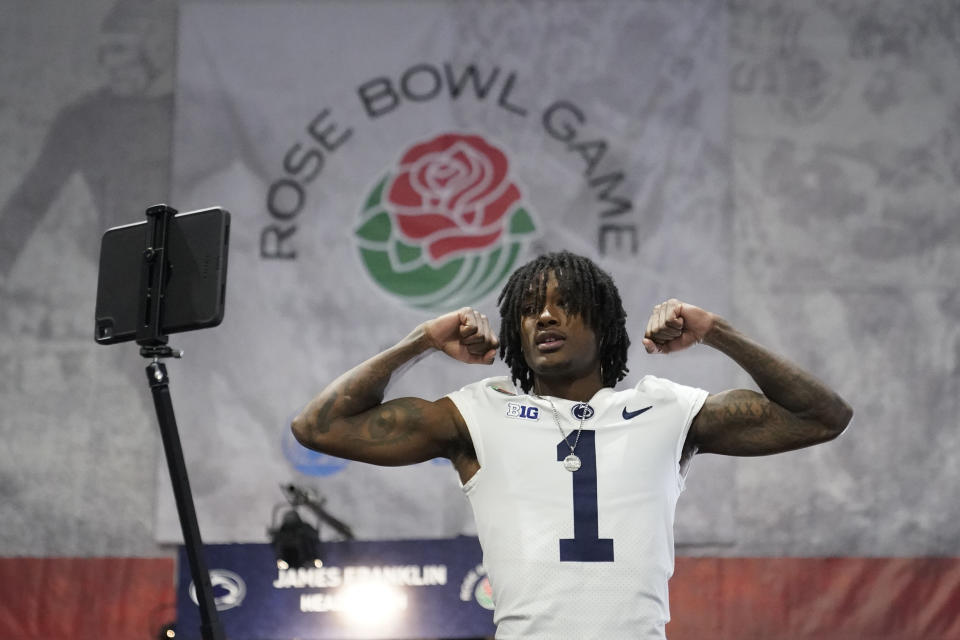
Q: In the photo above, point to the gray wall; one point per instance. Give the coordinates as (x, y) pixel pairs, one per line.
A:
(79, 448)
(846, 240)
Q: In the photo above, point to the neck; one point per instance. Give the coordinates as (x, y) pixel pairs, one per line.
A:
(577, 389)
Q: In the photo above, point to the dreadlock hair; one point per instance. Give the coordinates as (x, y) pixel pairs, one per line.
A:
(588, 291)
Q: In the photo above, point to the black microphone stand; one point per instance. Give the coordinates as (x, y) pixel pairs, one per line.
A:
(297, 497)
(153, 344)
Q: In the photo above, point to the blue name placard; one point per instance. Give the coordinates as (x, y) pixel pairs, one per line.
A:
(370, 589)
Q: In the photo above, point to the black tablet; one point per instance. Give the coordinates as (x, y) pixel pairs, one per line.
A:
(195, 280)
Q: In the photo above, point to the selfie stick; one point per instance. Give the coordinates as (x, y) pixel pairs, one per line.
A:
(153, 344)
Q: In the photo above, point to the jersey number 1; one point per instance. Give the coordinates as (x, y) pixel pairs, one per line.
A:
(585, 545)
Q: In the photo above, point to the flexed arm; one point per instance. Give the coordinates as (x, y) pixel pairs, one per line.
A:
(349, 419)
(794, 410)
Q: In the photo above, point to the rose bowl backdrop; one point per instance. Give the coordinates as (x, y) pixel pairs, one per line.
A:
(794, 164)
(378, 176)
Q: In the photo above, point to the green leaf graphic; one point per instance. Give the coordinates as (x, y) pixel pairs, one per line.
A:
(376, 229)
(418, 282)
(406, 253)
(521, 223)
(491, 263)
(376, 195)
(514, 249)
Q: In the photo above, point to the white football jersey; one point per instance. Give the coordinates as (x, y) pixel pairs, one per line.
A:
(583, 554)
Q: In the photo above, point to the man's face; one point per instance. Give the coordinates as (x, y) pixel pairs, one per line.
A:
(123, 61)
(555, 343)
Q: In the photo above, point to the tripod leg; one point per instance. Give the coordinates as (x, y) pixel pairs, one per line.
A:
(159, 386)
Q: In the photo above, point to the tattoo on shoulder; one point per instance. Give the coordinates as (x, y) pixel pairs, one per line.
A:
(747, 423)
(736, 407)
(381, 425)
(323, 415)
(746, 406)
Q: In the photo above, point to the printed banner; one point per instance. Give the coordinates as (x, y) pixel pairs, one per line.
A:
(387, 589)
(378, 176)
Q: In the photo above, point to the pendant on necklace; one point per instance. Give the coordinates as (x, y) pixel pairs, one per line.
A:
(571, 463)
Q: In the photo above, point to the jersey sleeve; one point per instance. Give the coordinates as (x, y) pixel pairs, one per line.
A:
(689, 400)
(469, 400)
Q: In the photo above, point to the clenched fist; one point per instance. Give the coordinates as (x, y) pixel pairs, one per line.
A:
(675, 325)
(464, 334)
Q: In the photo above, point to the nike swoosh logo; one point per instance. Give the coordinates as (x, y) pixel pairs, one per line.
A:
(629, 415)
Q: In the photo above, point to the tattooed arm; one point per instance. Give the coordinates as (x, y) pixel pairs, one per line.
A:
(794, 409)
(349, 419)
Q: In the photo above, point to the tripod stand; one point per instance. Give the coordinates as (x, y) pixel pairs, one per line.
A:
(153, 344)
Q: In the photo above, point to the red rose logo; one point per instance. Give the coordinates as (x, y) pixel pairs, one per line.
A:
(452, 194)
(446, 225)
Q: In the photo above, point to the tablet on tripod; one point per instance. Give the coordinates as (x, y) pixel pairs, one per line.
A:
(161, 276)
(194, 282)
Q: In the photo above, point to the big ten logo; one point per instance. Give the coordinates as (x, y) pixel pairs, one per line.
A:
(522, 411)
